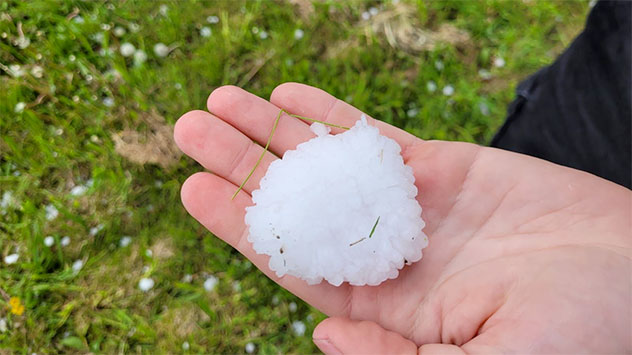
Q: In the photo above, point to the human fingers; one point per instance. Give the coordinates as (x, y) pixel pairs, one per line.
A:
(255, 117)
(221, 148)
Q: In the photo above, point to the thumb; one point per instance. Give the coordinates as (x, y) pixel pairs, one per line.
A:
(345, 336)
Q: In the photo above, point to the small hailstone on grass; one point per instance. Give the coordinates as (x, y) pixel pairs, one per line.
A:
(178, 86)
(366, 15)
(485, 74)
(275, 300)
(438, 65)
(78, 19)
(292, 307)
(431, 86)
(212, 19)
(49, 241)
(11, 259)
(161, 50)
(373, 11)
(412, 112)
(72, 58)
(210, 283)
(298, 33)
(7, 200)
(37, 71)
(95, 230)
(16, 70)
(78, 190)
(75, 98)
(448, 90)
(108, 102)
(3, 325)
(23, 42)
(499, 62)
(140, 57)
(19, 107)
(51, 212)
(127, 49)
(119, 31)
(149, 253)
(164, 9)
(187, 278)
(483, 108)
(77, 265)
(145, 284)
(250, 348)
(263, 34)
(236, 286)
(299, 328)
(133, 27)
(65, 241)
(185, 345)
(125, 241)
(205, 31)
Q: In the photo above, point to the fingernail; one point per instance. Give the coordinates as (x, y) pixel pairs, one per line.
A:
(327, 347)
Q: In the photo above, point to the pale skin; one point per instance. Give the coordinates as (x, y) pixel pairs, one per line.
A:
(525, 256)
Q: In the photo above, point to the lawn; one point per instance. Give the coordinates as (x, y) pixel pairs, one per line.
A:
(90, 176)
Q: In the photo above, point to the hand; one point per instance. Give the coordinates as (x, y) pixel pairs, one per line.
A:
(524, 255)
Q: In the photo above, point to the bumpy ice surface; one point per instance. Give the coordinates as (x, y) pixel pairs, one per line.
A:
(316, 207)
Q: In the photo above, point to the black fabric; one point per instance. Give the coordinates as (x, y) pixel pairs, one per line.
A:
(577, 112)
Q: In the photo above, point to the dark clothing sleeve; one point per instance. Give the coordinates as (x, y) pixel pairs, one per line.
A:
(577, 112)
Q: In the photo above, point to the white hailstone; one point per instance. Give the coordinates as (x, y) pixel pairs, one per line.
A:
(51, 212)
(19, 107)
(11, 259)
(77, 265)
(299, 328)
(178, 86)
(309, 318)
(185, 345)
(16, 70)
(7, 200)
(483, 108)
(448, 90)
(412, 112)
(145, 269)
(3, 325)
(78, 19)
(133, 27)
(236, 286)
(263, 34)
(99, 37)
(95, 230)
(161, 50)
(255, 30)
(125, 241)
(59, 131)
(75, 98)
(212, 19)
(205, 31)
(119, 31)
(108, 102)
(158, 183)
(366, 15)
(89, 78)
(49, 241)
(145, 284)
(23, 42)
(65, 241)
(275, 300)
(298, 33)
(187, 278)
(499, 62)
(293, 307)
(4, 35)
(72, 58)
(210, 283)
(485, 74)
(438, 65)
(373, 11)
(357, 220)
(127, 49)
(140, 57)
(431, 86)
(164, 9)
(319, 129)
(37, 71)
(149, 253)
(250, 348)
(78, 190)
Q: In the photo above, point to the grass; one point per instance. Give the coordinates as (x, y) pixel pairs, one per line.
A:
(75, 112)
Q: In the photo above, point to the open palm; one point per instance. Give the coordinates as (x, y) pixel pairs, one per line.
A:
(524, 255)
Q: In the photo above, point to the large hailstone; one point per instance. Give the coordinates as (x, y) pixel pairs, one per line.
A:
(316, 208)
